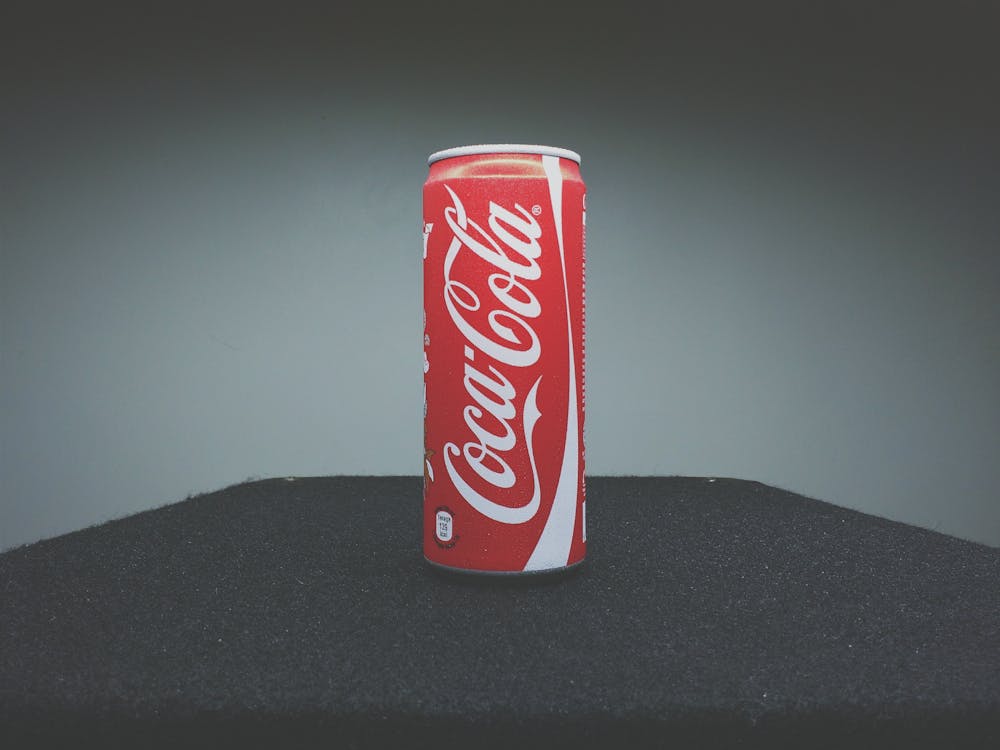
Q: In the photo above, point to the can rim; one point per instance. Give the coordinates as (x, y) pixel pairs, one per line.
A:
(503, 148)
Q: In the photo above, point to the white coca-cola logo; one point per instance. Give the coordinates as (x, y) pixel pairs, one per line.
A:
(508, 338)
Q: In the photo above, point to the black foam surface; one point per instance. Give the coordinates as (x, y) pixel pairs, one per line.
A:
(709, 613)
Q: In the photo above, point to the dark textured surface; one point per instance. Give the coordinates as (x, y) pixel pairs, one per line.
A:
(715, 612)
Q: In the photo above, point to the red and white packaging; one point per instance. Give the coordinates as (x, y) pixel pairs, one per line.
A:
(504, 359)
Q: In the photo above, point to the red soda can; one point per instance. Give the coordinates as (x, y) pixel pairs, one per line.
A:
(503, 299)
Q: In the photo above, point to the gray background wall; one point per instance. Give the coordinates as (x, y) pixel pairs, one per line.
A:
(210, 232)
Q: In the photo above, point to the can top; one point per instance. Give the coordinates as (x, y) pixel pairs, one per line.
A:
(503, 148)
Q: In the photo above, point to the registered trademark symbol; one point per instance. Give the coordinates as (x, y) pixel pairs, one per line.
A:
(536, 210)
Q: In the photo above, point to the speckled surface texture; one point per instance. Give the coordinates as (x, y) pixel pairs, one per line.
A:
(710, 612)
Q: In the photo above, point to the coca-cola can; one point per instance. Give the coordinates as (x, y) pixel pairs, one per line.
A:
(504, 394)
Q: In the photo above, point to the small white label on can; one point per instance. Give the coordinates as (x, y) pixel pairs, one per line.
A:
(444, 526)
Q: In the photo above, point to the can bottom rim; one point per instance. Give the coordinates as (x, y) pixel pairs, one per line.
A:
(504, 575)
